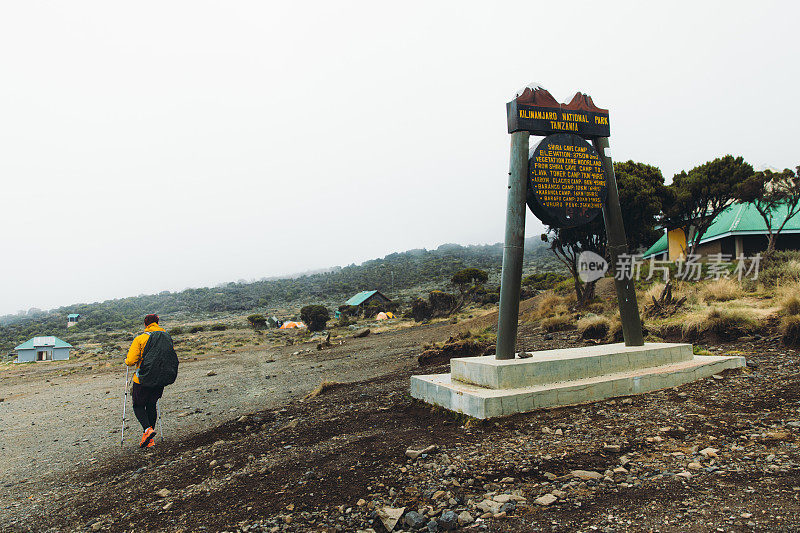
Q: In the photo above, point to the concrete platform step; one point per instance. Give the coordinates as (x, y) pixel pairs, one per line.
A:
(567, 364)
(482, 402)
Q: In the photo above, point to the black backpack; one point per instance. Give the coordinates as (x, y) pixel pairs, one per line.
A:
(159, 366)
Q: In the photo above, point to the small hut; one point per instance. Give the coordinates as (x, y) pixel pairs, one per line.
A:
(43, 349)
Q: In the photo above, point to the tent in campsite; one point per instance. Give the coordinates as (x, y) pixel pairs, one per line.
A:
(292, 325)
(384, 316)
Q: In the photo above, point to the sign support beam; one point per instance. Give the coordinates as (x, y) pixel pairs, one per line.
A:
(617, 245)
(513, 250)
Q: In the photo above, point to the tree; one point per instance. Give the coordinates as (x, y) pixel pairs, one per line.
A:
(568, 243)
(463, 278)
(315, 317)
(641, 195)
(257, 321)
(776, 197)
(696, 197)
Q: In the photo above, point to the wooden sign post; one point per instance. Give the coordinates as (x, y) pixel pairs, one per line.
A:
(566, 183)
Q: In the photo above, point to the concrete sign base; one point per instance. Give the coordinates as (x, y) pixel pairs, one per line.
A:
(485, 387)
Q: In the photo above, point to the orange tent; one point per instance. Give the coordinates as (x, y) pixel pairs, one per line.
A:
(290, 325)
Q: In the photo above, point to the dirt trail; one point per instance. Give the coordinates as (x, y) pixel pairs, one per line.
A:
(55, 424)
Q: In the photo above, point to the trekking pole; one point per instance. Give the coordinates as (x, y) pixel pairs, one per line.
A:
(124, 404)
(160, 417)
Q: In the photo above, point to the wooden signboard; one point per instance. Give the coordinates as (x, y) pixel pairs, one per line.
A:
(566, 182)
(567, 185)
(537, 112)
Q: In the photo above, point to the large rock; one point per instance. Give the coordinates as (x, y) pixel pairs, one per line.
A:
(586, 475)
(413, 454)
(389, 516)
(488, 506)
(547, 499)
(465, 519)
(414, 520)
(448, 521)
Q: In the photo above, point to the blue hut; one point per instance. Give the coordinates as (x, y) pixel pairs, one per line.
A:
(43, 349)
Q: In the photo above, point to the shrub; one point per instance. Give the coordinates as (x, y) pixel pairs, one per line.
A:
(565, 287)
(345, 321)
(177, 330)
(730, 322)
(593, 327)
(558, 323)
(348, 310)
(421, 310)
(442, 303)
(544, 281)
(790, 330)
(490, 297)
(780, 269)
(315, 317)
(196, 329)
(721, 290)
(790, 305)
(257, 321)
(615, 330)
(219, 327)
(550, 305)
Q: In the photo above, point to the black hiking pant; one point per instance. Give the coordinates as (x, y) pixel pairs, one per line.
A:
(144, 404)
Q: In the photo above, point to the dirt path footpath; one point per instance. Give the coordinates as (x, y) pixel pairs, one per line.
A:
(54, 424)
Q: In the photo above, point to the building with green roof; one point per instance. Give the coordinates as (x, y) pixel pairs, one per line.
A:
(43, 349)
(365, 297)
(739, 229)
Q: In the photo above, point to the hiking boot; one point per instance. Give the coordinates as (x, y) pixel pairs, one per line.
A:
(151, 443)
(147, 437)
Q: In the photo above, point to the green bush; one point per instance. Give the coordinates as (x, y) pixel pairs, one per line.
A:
(315, 317)
(544, 281)
(421, 310)
(257, 321)
(564, 287)
(219, 327)
(177, 330)
(780, 269)
(196, 329)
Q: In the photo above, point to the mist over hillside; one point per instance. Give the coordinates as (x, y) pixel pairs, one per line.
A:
(401, 275)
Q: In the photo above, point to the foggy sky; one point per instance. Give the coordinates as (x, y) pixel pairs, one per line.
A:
(163, 145)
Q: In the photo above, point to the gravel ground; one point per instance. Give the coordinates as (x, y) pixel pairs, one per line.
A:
(720, 454)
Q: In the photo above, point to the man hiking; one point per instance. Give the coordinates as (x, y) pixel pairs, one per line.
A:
(153, 354)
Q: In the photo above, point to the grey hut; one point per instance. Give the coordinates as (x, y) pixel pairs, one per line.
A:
(43, 349)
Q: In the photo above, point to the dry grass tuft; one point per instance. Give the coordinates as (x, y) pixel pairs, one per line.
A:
(790, 304)
(790, 330)
(558, 323)
(551, 305)
(322, 388)
(719, 322)
(594, 327)
(721, 290)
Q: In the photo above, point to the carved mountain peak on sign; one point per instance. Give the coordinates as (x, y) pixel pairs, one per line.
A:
(536, 95)
(583, 102)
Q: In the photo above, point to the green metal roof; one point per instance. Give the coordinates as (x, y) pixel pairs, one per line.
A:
(73, 315)
(359, 298)
(49, 341)
(736, 219)
(658, 247)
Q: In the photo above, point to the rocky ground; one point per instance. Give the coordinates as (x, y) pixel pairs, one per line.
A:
(716, 455)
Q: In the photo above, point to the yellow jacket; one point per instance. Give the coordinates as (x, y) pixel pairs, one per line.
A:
(137, 348)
